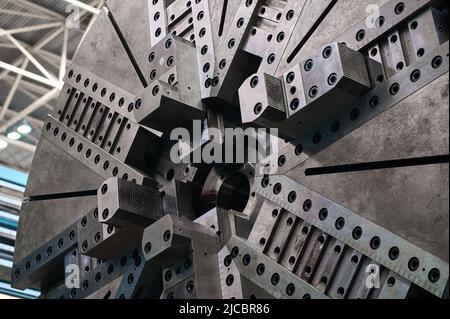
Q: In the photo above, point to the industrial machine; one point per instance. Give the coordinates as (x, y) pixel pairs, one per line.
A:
(246, 149)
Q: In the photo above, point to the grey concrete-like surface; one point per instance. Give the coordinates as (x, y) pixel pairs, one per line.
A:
(43, 220)
(103, 54)
(411, 202)
(345, 14)
(56, 172)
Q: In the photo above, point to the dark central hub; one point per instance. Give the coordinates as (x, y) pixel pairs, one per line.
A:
(234, 192)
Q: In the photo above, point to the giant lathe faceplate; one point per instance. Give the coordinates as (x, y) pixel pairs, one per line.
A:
(354, 204)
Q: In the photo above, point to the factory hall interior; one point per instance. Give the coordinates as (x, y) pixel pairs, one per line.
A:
(224, 150)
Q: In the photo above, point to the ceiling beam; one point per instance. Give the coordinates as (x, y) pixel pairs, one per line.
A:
(29, 85)
(30, 109)
(32, 59)
(12, 92)
(29, 75)
(39, 45)
(33, 91)
(26, 14)
(32, 28)
(42, 43)
(60, 61)
(37, 8)
(50, 61)
(41, 52)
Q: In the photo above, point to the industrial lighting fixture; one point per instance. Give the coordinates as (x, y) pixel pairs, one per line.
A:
(24, 129)
(14, 136)
(3, 144)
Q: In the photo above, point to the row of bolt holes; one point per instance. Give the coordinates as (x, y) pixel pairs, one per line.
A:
(260, 269)
(97, 159)
(169, 275)
(231, 44)
(157, 15)
(97, 237)
(91, 133)
(290, 289)
(206, 67)
(393, 39)
(280, 36)
(308, 269)
(49, 252)
(375, 242)
(103, 93)
(200, 17)
(354, 114)
(110, 270)
(380, 21)
(314, 90)
(170, 61)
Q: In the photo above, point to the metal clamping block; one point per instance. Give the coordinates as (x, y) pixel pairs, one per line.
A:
(174, 61)
(321, 86)
(104, 241)
(171, 237)
(428, 30)
(41, 267)
(121, 203)
(165, 108)
(266, 103)
(173, 98)
(333, 77)
(307, 93)
(335, 66)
